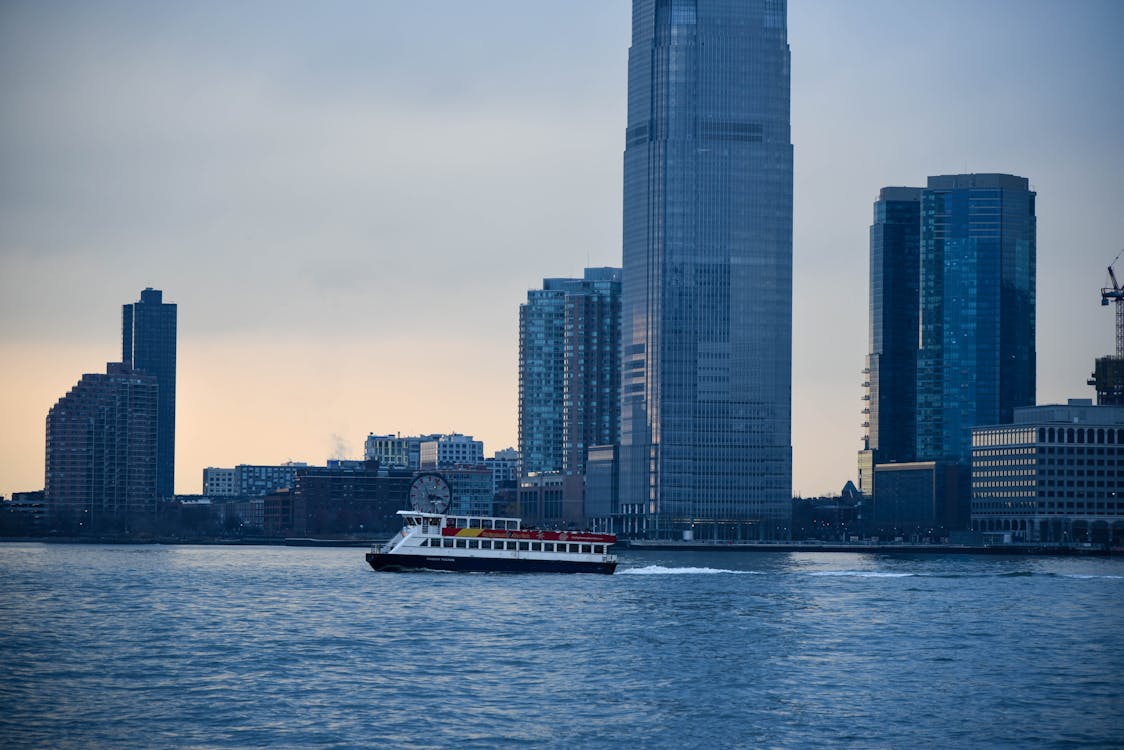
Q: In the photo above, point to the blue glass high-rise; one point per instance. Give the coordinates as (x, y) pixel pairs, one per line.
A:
(891, 366)
(148, 344)
(707, 292)
(977, 360)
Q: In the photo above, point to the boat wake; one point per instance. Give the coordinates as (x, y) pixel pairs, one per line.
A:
(861, 574)
(660, 570)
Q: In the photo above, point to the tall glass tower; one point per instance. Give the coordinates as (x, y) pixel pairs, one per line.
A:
(148, 344)
(976, 361)
(891, 366)
(707, 291)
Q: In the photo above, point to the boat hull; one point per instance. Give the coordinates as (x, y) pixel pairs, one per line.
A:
(400, 563)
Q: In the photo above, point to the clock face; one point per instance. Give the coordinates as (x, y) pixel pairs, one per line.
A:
(430, 493)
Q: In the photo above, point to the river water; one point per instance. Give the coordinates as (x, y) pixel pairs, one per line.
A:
(239, 647)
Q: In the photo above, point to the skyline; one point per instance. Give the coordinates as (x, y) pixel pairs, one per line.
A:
(276, 173)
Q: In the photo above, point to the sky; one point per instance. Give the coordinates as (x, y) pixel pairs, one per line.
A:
(349, 199)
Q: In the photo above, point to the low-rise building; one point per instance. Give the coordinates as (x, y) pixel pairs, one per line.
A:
(1056, 474)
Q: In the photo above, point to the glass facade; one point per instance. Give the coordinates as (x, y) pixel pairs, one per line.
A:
(148, 344)
(976, 361)
(707, 292)
(895, 239)
(569, 370)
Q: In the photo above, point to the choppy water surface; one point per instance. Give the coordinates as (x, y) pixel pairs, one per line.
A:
(214, 647)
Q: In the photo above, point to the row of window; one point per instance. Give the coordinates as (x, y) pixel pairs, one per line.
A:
(508, 545)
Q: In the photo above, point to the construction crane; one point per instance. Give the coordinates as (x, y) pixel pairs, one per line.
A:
(1116, 294)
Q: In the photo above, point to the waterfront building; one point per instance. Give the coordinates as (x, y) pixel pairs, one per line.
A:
(148, 344)
(23, 513)
(350, 500)
(1055, 474)
(453, 449)
(707, 280)
(891, 365)
(918, 500)
(976, 359)
(101, 451)
(569, 370)
(540, 500)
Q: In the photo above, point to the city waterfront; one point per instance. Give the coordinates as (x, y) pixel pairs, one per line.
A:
(220, 647)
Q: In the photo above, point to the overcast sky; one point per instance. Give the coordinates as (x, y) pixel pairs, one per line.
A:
(349, 200)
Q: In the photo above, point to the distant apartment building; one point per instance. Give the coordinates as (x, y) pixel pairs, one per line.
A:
(247, 480)
(569, 370)
(451, 450)
(471, 490)
(220, 482)
(1055, 474)
(148, 344)
(396, 450)
(101, 451)
(504, 465)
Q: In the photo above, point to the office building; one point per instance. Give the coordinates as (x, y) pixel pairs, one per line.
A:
(707, 280)
(101, 452)
(250, 480)
(891, 365)
(1055, 474)
(148, 344)
(569, 370)
(976, 360)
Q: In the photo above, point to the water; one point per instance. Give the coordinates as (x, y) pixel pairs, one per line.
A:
(214, 647)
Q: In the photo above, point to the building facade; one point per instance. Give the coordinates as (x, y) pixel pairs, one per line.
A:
(1055, 474)
(451, 450)
(101, 452)
(148, 344)
(569, 370)
(891, 365)
(1108, 379)
(396, 450)
(707, 279)
(976, 361)
(249, 480)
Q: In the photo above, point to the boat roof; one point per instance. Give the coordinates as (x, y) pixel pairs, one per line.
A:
(420, 513)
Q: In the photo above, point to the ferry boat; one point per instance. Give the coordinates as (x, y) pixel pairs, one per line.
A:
(435, 541)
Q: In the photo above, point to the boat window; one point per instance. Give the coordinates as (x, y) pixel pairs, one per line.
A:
(524, 546)
(587, 549)
(488, 524)
(461, 543)
(485, 544)
(473, 543)
(462, 523)
(474, 523)
(447, 543)
(536, 546)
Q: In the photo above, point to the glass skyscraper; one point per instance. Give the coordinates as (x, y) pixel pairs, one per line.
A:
(891, 366)
(707, 292)
(976, 361)
(569, 370)
(148, 344)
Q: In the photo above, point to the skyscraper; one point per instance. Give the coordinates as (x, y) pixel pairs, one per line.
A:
(976, 361)
(891, 366)
(101, 450)
(707, 288)
(569, 370)
(148, 344)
